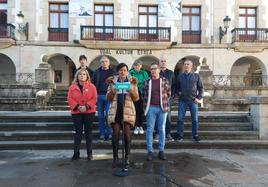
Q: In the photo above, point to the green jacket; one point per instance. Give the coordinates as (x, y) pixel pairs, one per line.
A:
(142, 76)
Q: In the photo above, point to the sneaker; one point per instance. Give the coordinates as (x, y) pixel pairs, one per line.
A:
(136, 130)
(156, 138)
(149, 156)
(102, 138)
(141, 131)
(169, 138)
(196, 138)
(161, 155)
(179, 138)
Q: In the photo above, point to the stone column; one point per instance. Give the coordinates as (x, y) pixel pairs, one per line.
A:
(44, 82)
(259, 115)
(205, 75)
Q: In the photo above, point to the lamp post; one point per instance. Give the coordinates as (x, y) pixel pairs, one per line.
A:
(226, 25)
(23, 28)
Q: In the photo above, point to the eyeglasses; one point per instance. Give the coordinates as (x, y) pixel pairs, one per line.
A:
(163, 61)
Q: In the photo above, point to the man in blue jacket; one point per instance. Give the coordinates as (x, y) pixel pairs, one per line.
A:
(99, 80)
(189, 88)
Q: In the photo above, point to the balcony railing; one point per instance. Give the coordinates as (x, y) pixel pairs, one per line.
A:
(240, 80)
(58, 34)
(7, 31)
(160, 34)
(191, 37)
(250, 35)
(18, 78)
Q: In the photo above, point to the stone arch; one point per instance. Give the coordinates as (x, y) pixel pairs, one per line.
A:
(95, 63)
(64, 68)
(7, 70)
(179, 67)
(147, 61)
(248, 71)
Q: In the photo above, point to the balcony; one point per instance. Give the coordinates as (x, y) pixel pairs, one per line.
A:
(257, 37)
(158, 34)
(249, 35)
(58, 34)
(7, 35)
(191, 37)
(125, 37)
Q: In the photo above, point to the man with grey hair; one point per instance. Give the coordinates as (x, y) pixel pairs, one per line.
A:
(189, 88)
(99, 80)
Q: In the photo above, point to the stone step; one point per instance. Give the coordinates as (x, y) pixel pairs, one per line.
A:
(136, 144)
(68, 135)
(10, 126)
(63, 116)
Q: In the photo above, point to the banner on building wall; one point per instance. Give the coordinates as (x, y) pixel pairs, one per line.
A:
(80, 8)
(169, 9)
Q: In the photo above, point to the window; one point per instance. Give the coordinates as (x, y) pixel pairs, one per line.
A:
(148, 18)
(58, 21)
(3, 18)
(247, 23)
(104, 17)
(3, 12)
(191, 25)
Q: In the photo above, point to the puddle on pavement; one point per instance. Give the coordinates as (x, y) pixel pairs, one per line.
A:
(181, 169)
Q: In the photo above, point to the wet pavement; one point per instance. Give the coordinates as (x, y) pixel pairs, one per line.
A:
(187, 168)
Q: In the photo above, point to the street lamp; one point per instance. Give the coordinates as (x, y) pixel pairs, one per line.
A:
(23, 28)
(226, 25)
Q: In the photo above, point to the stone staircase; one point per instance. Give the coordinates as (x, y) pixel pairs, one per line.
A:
(54, 130)
(58, 102)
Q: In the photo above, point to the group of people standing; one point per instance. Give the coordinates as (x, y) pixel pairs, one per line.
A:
(150, 95)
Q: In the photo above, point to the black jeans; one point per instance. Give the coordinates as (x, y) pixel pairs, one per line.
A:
(139, 112)
(83, 121)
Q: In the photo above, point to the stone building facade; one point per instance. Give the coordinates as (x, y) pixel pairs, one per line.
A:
(128, 30)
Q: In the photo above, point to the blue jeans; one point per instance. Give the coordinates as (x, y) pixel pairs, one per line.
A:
(103, 105)
(156, 116)
(193, 107)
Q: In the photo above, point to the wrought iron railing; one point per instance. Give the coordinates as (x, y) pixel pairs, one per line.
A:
(250, 35)
(240, 80)
(18, 78)
(125, 33)
(7, 31)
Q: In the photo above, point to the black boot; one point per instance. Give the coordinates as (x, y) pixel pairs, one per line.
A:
(115, 144)
(127, 153)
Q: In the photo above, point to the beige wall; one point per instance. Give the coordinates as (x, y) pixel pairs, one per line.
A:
(220, 57)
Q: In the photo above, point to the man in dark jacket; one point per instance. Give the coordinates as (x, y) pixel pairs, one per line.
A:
(99, 80)
(189, 88)
(169, 75)
(83, 64)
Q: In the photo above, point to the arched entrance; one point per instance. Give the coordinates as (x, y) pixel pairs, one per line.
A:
(63, 68)
(7, 70)
(179, 66)
(95, 64)
(147, 61)
(248, 71)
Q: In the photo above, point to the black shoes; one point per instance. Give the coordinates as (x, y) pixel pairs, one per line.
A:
(89, 157)
(196, 138)
(75, 157)
(161, 155)
(149, 156)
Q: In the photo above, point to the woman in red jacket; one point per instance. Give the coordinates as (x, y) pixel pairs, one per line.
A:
(82, 98)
